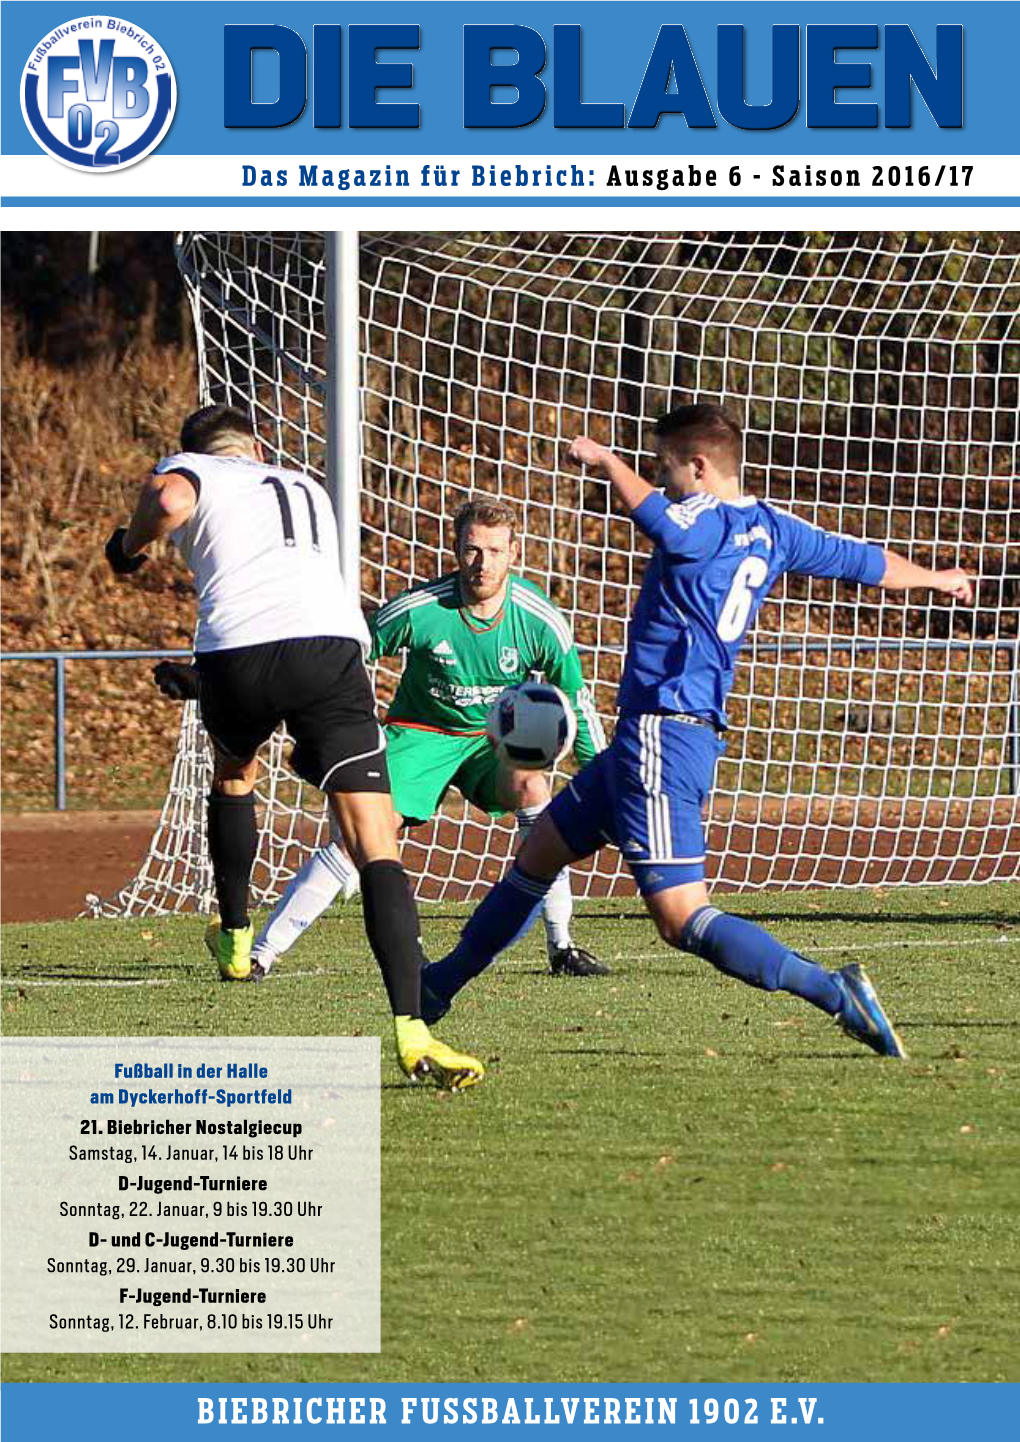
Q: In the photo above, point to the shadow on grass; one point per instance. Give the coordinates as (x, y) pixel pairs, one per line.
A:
(892, 918)
(954, 1025)
(763, 918)
(858, 1054)
(607, 1051)
(11, 978)
(140, 971)
(623, 967)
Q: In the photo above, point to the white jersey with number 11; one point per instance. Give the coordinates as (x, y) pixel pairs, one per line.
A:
(262, 545)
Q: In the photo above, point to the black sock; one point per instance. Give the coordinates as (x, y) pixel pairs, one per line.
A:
(394, 933)
(233, 842)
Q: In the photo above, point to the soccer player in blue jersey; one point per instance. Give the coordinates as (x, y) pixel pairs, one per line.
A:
(717, 555)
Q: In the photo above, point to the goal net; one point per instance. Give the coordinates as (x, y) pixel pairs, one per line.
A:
(875, 739)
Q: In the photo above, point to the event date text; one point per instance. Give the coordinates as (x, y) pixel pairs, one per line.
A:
(883, 176)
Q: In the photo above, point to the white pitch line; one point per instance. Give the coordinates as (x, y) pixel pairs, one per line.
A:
(948, 946)
(862, 946)
(142, 981)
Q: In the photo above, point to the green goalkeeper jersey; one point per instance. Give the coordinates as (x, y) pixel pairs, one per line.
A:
(457, 664)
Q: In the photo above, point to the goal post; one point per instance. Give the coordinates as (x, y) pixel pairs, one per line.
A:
(343, 458)
(875, 739)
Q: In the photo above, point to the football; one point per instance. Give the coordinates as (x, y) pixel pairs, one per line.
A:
(531, 726)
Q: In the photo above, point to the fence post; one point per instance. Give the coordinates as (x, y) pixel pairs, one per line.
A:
(58, 737)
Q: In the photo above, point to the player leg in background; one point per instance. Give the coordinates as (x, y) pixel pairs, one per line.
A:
(328, 873)
(527, 794)
(368, 826)
(233, 841)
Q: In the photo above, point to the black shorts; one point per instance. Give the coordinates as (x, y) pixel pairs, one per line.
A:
(319, 687)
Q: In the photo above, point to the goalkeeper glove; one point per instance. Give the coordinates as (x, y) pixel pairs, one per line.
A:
(179, 683)
(120, 563)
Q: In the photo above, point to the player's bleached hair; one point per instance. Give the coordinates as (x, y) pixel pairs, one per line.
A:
(483, 511)
(215, 429)
(708, 428)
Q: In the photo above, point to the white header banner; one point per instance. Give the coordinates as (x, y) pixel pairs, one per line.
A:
(374, 178)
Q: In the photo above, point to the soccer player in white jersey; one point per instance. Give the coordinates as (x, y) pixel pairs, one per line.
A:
(280, 638)
(717, 555)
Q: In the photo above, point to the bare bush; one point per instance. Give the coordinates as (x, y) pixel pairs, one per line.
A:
(76, 442)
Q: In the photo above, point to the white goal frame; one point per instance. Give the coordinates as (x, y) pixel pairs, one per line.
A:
(874, 741)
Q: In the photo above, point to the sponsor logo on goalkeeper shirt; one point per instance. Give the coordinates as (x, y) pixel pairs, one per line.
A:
(98, 93)
(455, 695)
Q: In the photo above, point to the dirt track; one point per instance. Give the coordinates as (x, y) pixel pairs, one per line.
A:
(49, 861)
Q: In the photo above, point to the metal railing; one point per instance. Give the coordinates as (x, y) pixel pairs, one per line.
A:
(754, 650)
(60, 660)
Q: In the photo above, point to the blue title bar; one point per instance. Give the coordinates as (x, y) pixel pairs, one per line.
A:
(643, 78)
(172, 1412)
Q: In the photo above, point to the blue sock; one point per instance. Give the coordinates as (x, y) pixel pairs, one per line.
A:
(741, 949)
(505, 913)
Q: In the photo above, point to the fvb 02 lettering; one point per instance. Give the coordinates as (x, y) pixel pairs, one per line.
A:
(98, 93)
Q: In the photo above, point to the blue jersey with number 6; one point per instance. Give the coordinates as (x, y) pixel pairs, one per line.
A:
(713, 565)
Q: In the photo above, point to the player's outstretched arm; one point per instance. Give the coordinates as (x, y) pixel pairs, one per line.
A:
(904, 575)
(812, 551)
(164, 503)
(629, 487)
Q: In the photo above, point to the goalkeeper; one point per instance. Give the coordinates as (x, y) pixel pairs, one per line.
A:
(466, 636)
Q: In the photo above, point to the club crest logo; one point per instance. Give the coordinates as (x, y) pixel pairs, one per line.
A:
(509, 660)
(98, 93)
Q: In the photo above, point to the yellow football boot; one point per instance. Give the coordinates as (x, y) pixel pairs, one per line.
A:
(423, 1058)
(231, 950)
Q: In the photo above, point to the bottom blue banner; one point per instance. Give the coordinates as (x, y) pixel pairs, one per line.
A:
(176, 1410)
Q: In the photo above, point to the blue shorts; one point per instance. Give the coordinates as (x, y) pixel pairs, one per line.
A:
(645, 794)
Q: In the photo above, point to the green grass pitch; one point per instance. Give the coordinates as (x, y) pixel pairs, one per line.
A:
(666, 1176)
